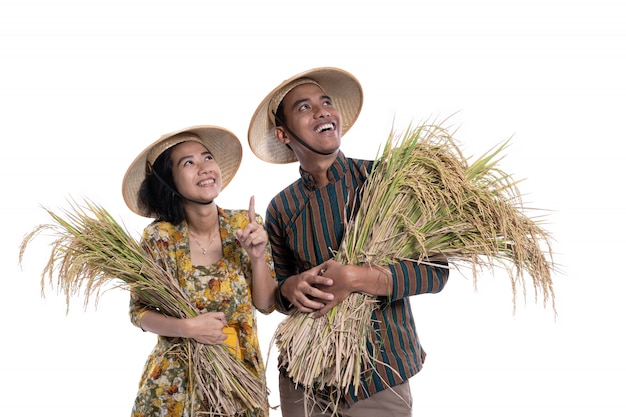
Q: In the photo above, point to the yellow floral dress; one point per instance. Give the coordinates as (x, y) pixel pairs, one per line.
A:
(224, 286)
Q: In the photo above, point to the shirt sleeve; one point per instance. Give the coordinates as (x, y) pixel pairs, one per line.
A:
(413, 278)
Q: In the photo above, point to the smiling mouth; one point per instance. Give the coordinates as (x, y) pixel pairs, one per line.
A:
(326, 127)
(207, 182)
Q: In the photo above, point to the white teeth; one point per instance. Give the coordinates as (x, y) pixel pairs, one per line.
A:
(324, 127)
(206, 182)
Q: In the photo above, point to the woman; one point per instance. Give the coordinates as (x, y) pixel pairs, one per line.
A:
(221, 257)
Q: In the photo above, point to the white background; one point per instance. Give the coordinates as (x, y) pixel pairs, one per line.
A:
(86, 85)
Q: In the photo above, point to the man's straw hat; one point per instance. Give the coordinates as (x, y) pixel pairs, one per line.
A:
(223, 145)
(341, 86)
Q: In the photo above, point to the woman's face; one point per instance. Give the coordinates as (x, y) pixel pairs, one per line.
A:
(196, 174)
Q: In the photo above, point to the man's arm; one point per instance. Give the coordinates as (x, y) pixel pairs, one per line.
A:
(392, 282)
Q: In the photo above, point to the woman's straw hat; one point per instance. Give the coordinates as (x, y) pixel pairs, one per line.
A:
(223, 145)
(341, 86)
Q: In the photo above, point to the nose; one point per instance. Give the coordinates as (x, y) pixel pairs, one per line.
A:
(322, 111)
(206, 166)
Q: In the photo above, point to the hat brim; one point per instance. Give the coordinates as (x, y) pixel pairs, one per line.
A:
(341, 86)
(223, 145)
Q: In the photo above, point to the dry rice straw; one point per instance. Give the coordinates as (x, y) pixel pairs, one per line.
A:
(92, 252)
(423, 200)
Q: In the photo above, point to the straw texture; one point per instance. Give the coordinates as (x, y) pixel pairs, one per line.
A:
(92, 252)
(424, 200)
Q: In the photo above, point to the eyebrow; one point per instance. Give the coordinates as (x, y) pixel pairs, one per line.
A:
(297, 103)
(185, 157)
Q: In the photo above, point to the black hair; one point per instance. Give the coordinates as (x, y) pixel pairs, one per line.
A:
(279, 116)
(157, 194)
(279, 120)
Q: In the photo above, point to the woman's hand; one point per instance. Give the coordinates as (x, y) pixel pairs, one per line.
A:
(253, 237)
(207, 328)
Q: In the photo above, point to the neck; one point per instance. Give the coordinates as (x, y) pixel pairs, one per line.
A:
(201, 219)
(318, 167)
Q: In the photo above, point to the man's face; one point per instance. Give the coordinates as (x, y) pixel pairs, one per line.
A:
(310, 114)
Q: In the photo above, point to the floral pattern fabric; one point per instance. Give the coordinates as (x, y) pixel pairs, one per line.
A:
(224, 286)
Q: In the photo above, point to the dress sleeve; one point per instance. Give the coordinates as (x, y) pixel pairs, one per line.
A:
(137, 308)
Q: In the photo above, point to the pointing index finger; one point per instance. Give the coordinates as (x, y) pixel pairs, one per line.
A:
(251, 212)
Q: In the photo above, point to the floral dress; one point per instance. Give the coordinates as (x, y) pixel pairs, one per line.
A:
(223, 286)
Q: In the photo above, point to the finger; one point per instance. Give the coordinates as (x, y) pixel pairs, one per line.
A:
(314, 298)
(319, 269)
(316, 293)
(317, 280)
(307, 305)
(302, 308)
(322, 312)
(251, 212)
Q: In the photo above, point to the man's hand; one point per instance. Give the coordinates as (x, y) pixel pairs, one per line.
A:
(342, 277)
(346, 279)
(303, 290)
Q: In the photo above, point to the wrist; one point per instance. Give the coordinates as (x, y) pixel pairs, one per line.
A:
(372, 280)
(183, 328)
(282, 302)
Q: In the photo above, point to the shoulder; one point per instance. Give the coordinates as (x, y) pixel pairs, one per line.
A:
(235, 218)
(362, 165)
(358, 169)
(161, 231)
(293, 192)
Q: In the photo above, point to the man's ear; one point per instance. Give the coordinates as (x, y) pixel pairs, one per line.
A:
(281, 135)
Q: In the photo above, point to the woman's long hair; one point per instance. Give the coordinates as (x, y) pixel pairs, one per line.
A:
(158, 195)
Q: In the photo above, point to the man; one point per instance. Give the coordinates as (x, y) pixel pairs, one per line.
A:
(303, 120)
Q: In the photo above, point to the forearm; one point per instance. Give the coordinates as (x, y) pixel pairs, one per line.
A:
(155, 322)
(263, 286)
(372, 280)
(283, 305)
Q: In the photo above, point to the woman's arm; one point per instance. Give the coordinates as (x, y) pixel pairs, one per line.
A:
(254, 240)
(205, 328)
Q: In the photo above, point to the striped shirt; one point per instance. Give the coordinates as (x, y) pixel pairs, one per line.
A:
(305, 224)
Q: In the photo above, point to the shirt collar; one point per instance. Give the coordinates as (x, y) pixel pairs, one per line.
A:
(335, 172)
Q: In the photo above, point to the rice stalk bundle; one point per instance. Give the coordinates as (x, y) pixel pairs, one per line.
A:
(423, 201)
(92, 252)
